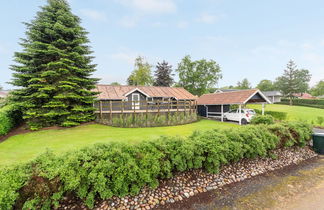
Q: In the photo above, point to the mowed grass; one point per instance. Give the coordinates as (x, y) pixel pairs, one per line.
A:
(24, 147)
(295, 113)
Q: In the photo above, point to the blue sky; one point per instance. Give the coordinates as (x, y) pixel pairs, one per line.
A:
(251, 39)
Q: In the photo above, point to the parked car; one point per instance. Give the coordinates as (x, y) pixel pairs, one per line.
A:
(234, 115)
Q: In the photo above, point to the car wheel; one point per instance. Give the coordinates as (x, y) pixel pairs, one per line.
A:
(244, 121)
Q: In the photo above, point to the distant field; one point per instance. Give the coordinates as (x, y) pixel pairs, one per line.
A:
(295, 113)
(24, 147)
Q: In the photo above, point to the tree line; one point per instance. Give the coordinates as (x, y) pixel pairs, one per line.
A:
(196, 76)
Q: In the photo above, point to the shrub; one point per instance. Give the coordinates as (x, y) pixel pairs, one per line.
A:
(262, 119)
(320, 120)
(9, 118)
(275, 114)
(114, 169)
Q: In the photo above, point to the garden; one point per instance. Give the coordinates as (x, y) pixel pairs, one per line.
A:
(104, 170)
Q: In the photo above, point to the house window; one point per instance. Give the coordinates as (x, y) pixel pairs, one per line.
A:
(150, 99)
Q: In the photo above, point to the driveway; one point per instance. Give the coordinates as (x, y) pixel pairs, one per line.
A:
(294, 187)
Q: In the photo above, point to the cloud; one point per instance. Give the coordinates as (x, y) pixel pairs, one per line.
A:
(150, 6)
(125, 56)
(207, 18)
(183, 24)
(94, 14)
(129, 21)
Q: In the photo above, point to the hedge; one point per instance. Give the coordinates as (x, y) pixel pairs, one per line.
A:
(9, 118)
(115, 169)
(275, 114)
(262, 119)
(315, 103)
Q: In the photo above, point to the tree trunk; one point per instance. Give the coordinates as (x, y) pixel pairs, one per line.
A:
(290, 101)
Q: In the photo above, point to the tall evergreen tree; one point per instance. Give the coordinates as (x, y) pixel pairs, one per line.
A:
(163, 74)
(293, 80)
(54, 69)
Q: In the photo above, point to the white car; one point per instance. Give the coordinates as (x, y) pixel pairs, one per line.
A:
(234, 115)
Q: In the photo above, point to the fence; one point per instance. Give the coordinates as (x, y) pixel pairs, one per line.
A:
(108, 111)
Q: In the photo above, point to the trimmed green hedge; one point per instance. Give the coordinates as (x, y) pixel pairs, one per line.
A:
(9, 118)
(105, 170)
(315, 103)
(262, 119)
(275, 114)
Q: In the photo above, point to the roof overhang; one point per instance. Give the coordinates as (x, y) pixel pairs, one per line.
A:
(262, 95)
(137, 89)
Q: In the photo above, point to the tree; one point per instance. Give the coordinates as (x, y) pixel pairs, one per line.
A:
(266, 85)
(318, 89)
(115, 83)
(142, 73)
(293, 80)
(198, 76)
(1, 88)
(244, 84)
(54, 69)
(163, 74)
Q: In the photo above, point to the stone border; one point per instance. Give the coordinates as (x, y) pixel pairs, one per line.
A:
(190, 183)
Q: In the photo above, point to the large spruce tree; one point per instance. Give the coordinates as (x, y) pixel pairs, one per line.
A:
(54, 69)
(163, 74)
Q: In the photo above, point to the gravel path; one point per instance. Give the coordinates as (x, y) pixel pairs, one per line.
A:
(296, 187)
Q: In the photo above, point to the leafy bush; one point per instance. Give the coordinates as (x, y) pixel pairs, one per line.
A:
(262, 119)
(114, 169)
(315, 103)
(275, 114)
(9, 118)
(150, 119)
(320, 120)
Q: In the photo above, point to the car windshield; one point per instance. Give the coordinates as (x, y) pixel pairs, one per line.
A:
(251, 111)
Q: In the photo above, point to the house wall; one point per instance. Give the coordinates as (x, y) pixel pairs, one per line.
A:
(274, 99)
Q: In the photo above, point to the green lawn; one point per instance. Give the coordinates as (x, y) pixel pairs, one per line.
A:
(294, 113)
(24, 147)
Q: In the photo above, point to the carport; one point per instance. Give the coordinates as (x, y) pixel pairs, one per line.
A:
(216, 104)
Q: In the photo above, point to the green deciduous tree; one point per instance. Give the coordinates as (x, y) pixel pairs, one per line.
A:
(293, 80)
(318, 89)
(115, 83)
(198, 76)
(163, 74)
(266, 85)
(54, 69)
(142, 73)
(244, 84)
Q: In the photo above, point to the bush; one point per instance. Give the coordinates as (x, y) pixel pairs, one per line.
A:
(262, 119)
(150, 119)
(9, 118)
(105, 170)
(320, 120)
(275, 114)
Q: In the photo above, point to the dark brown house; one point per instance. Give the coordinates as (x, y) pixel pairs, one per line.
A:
(117, 99)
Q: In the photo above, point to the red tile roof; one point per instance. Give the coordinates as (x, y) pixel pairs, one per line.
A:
(304, 96)
(119, 92)
(234, 97)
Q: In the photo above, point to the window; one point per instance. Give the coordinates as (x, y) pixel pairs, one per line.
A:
(150, 99)
(233, 111)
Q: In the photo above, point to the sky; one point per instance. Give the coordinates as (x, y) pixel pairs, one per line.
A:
(251, 39)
